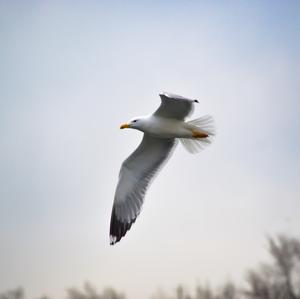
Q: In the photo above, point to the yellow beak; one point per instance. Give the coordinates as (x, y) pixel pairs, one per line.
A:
(124, 126)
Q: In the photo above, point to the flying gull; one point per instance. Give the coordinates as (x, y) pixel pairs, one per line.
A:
(161, 131)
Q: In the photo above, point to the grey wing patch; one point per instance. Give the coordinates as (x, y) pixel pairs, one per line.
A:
(175, 106)
(136, 174)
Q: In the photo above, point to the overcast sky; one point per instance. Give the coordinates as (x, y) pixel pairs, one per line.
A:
(72, 72)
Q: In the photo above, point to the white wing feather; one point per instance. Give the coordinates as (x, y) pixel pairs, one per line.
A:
(136, 174)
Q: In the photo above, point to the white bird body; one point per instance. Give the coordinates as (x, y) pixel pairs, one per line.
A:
(161, 130)
(162, 127)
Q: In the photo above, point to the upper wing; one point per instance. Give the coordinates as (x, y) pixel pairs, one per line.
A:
(174, 106)
(136, 174)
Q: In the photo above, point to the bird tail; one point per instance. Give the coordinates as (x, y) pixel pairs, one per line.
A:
(205, 127)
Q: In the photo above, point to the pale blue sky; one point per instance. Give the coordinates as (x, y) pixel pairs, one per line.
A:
(71, 72)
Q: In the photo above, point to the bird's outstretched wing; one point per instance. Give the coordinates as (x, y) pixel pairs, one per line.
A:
(136, 173)
(174, 106)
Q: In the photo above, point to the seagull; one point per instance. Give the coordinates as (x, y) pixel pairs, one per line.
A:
(162, 130)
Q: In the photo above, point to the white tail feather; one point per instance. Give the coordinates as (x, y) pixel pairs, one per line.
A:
(206, 125)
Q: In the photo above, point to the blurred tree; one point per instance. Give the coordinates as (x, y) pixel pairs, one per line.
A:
(89, 292)
(180, 292)
(204, 292)
(17, 293)
(229, 291)
(280, 280)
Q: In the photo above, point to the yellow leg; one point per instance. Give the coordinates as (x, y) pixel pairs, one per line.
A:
(199, 134)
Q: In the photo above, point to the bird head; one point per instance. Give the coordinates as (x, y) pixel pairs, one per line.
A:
(135, 123)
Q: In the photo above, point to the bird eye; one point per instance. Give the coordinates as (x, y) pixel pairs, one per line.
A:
(134, 121)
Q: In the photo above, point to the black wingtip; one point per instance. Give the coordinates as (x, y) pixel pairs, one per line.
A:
(112, 240)
(118, 229)
(196, 101)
